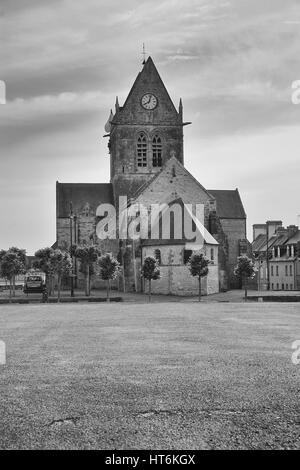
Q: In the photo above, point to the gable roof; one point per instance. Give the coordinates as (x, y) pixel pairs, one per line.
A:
(147, 81)
(80, 194)
(229, 204)
(172, 161)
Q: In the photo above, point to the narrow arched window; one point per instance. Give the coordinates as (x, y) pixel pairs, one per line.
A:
(142, 150)
(156, 151)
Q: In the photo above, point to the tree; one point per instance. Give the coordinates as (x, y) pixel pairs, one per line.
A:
(61, 265)
(150, 271)
(198, 267)
(88, 255)
(43, 263)
(245, 270)
(2, 254)
(109, 270)
(13, 263)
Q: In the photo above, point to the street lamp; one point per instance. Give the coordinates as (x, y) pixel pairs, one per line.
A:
(71, 216)
(268, 262)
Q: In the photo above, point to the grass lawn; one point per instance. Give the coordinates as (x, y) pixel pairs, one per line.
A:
(161, 376)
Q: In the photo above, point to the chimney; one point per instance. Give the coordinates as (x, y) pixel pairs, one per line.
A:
(292, 230)
(273, 226)
(259, 229)
(281, 230)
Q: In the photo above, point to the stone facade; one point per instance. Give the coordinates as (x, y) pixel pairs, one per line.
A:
(147, 165)
(175, 276)
(282, 271)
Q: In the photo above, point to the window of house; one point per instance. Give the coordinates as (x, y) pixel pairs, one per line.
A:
(286, 271)
(186, 256)
(292, 287)
(272, 286)
(291, 270)
(277, 271)
(272, 270)
(142, 150)
(156, 151)
(282, 286)
(277, 285)
(212, 254)
(157, 254)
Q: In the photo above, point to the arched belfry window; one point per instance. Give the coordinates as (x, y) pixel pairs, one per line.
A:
(156, 151)
(142, 150)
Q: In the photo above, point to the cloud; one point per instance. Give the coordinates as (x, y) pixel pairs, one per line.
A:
(232, 62)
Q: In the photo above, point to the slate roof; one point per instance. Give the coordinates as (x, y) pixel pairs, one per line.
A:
(80, 194)
(294, 239)
(259, 242)
(229, 204)
(281, 239)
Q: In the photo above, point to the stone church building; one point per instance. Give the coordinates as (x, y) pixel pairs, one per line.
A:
(145, 141)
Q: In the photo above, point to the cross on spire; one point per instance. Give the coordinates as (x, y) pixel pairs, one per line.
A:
(144, 54)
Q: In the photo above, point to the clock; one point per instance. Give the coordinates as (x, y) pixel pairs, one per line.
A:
(149, 101)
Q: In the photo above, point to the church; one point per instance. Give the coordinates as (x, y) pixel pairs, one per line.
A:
(145, 141)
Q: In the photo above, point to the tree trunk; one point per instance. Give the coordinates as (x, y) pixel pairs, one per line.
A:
(246, 289)
(107, 291)
(149, 290)
(199, 289)
(58, 287)
(10, 290)
(14, 285)
(87, 281)
(47, 286)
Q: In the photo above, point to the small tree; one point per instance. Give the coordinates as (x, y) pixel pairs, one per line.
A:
(20, 267)
(150, 271)
(61, 265)
(12, 263)
(198, 267)
(88, 255)
(109, 270)
(43, 263)
(245, 270)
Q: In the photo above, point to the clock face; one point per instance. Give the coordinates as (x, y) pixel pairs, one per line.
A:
(149, 101)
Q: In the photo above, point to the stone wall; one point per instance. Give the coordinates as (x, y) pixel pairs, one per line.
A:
(175, 277)
(235, 230)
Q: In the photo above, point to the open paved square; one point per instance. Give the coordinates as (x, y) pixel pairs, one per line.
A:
(160, 376)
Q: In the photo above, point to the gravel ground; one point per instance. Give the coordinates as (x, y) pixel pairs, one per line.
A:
(160, 376)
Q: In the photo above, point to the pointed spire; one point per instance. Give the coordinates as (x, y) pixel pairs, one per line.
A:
(180, 108)
(117, 106)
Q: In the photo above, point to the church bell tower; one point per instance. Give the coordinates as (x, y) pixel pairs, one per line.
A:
(143, 133)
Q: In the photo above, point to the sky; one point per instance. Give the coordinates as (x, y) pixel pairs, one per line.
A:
(64, 61)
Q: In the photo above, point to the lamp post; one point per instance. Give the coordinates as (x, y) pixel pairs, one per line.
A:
(71, 247)
(268, 262)
(75, 242)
